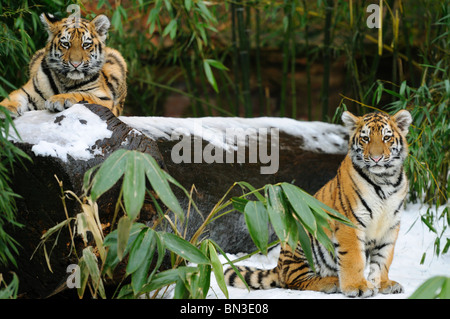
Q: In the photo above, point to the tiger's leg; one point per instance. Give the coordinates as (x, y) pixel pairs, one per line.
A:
(352, 263)
(295, 273)
(20, 101)
(380, 262)
(328, 285)
(60, 102)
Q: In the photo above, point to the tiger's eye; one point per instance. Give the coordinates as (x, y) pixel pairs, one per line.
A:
(365, 138)
(386, 138)
(65, 44)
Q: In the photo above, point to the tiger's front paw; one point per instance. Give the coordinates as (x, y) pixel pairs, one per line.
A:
(13, 107)
(60, 102)
(362, 289)
(391, 287)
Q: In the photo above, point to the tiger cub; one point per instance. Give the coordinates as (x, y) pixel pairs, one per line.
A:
(75, 65)
(369, 188)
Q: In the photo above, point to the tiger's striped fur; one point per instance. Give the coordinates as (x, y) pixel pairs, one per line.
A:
(369, 188)
(75, 65)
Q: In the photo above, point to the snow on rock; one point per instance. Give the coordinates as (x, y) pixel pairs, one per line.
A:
(72, 132)
(317, 136)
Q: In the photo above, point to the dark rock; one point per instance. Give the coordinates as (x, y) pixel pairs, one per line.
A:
(40, 207)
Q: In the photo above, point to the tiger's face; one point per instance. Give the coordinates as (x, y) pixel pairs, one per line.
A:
(377, 140)
(75, 48)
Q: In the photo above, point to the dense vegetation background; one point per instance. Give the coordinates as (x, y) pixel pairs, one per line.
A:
(307, 60)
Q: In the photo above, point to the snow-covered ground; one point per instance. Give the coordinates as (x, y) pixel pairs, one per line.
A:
(414, 239)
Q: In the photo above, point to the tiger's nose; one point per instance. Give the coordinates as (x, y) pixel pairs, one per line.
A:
(376, 159)
(75, 64)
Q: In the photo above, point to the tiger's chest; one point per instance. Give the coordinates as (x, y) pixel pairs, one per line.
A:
(381, 212)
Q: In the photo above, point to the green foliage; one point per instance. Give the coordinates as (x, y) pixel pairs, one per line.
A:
(292, 212)
(437, 287)
(9, 291)
(21, 35)
(428, 138)
(135, 166)
(215, 53)
(9, 154)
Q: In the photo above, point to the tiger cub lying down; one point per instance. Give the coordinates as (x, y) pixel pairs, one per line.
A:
(369, 188)
(75, 65)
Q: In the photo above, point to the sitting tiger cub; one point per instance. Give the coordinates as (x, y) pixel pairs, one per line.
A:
(74, 66)
(369, 188)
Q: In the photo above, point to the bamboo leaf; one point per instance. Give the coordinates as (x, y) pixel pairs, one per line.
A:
(200, 281)
(109, 173)
(161, 186)
(217, 269)
(166, 277)
(277, 211)
(183, 248)
(292, 231)
(429, 289)
(238, 273)
(111, 241)
(143, 247)
(305, 242)
(253, 191)
(171, 29)
(134, 184)
(296, 198)
(210, 75)
(84, 276)
(205, 12)
(257, 218)
(188, 5)
(123, 233)
(239, 203)
(216, 64)
(94, 272)
(140, 260)
(181, 287)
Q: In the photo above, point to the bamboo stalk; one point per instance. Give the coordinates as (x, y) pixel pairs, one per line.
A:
(286, 45)
(308, 62)
(326, 58)
(380, 30)
(350, 5)
(235, 59)
(395, 22)
(405, 32)
(293, 88)
(245, 59)
(197, 109)
(225, 87)
(258, 63)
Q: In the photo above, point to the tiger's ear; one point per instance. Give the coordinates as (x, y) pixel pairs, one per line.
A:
(49, 22)
(101, 24)
(350, 120)
(403, 119)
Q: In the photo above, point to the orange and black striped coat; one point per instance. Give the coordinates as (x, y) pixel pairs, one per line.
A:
(75, 65)
(370, 188)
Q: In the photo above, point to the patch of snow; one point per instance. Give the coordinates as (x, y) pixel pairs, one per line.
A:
(75, 130)
(131, 134)
(414, 240)
(72, 132)
(318, 136)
